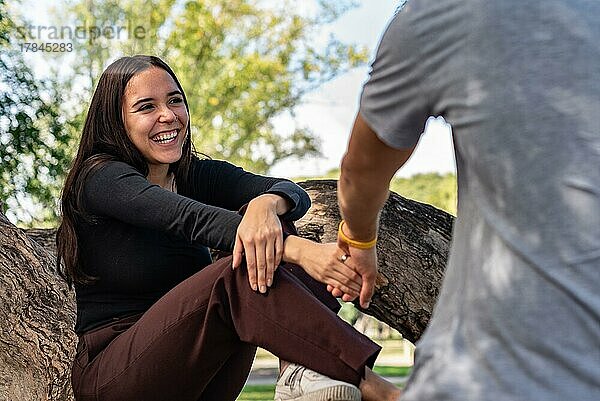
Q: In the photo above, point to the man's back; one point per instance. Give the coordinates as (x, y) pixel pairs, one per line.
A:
(518, 317)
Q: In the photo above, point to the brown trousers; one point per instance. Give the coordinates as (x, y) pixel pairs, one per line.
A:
(198, 341)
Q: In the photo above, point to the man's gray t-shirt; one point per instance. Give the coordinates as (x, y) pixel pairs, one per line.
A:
(518, 317)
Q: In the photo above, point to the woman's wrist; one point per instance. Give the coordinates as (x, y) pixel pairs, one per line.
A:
(279, 204)
(292, 249)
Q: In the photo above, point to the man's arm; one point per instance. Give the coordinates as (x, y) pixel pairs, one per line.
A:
(367, 169)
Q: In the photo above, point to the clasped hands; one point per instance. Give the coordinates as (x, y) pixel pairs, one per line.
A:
(259, 239)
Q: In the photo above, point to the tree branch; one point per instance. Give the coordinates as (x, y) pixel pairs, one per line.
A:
(37, 343)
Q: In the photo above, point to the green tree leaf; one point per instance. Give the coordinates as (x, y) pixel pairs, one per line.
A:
(241, 63)
(35, 141)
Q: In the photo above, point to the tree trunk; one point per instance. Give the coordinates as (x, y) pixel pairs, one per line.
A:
(37, 314)
(414, 240)
(37, 309)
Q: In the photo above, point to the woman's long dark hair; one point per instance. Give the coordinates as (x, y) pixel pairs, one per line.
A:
(104, 138)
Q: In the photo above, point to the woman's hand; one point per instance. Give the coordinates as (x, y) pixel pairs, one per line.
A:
(323, 262)
(260, 238)
(364, 262)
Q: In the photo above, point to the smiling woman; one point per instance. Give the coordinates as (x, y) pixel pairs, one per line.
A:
(156, 120)
(156, 319)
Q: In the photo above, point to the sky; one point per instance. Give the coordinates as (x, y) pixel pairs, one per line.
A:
(329, 111)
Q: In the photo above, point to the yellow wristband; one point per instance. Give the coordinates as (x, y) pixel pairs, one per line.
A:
(354, 243)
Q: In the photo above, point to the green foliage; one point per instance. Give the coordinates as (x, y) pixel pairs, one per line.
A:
(34, 138)
(241, 63)
(431, 188)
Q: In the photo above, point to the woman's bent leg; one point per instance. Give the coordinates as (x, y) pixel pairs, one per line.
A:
(179, 346)
(230, 380)
(297, 327)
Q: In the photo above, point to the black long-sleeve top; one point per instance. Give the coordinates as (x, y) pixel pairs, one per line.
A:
(145, 239)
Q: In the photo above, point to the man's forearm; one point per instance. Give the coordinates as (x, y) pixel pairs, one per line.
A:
(361, 195)
(366, 171)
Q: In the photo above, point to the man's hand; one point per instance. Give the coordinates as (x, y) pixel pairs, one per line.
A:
(366, 170)
(324, 263)
(364, 262)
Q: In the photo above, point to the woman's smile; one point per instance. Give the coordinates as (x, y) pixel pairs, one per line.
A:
(166, 137)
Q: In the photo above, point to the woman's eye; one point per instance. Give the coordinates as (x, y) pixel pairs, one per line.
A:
(145, 107)
(177, 100)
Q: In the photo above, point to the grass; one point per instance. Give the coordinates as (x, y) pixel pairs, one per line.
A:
(266, 392)
(392, 371)
(258, 392)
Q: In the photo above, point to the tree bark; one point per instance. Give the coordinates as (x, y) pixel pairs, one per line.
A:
(37, 309)
(413, 246)
(37, 314)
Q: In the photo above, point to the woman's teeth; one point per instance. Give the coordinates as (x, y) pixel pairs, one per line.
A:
(165, 137)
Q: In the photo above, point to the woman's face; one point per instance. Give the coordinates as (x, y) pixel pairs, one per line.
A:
(155, 116)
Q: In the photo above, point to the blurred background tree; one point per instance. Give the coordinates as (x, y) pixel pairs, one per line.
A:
(34, 137)
(435, 189)
(242, 63)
